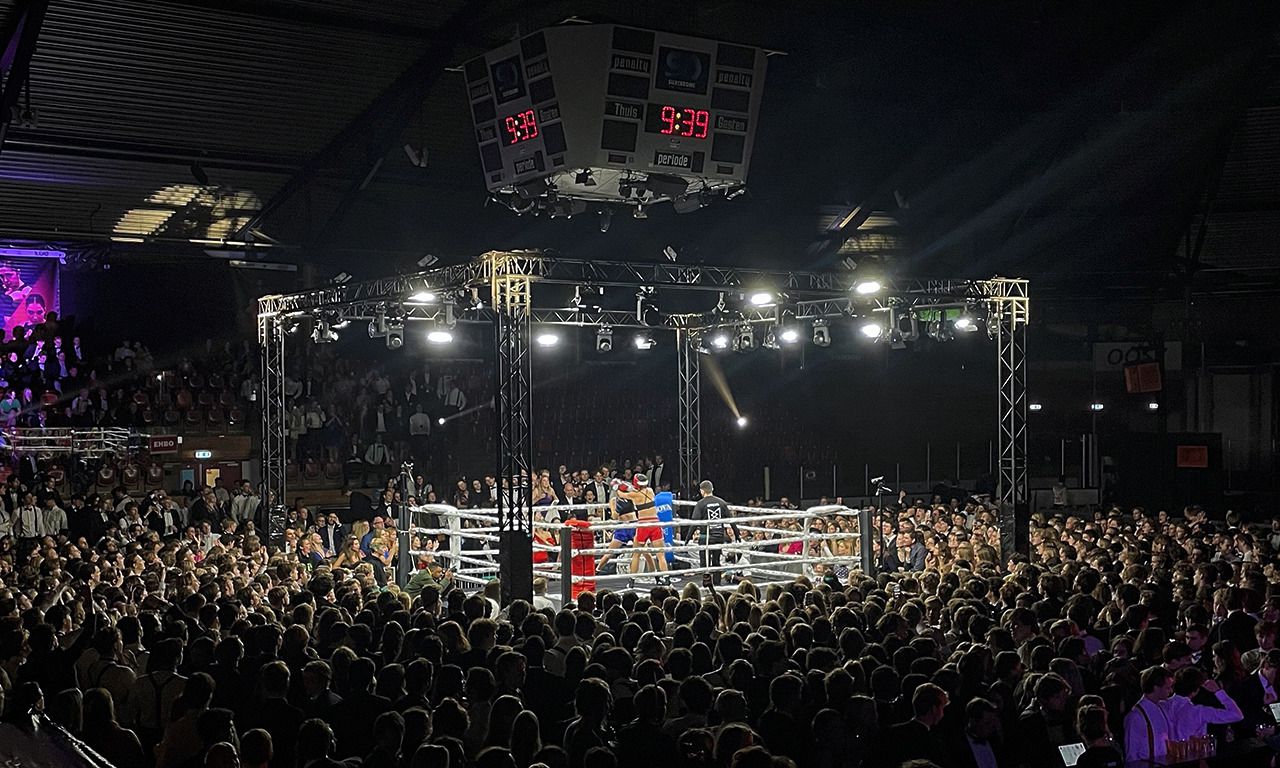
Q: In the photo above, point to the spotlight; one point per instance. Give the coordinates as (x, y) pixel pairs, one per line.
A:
(746, 339)
(644, 341)
(867, 286)
(742, 421)
(1153, 406)
(604, 340)
(440, 421)
(939, 331)
(422, 297)
(770, 340)
(341, 324)
(547, 339)
(323, 333)
(639, 213)
(821, 333)
(395, 336)
(966, 323)
(1096, 406)
(789, 335)
(646, 311)
(606, 218)
(439, 336)
(670, 253)
(427, 260)
(720, 341)
(761, 299)
(1035, 407)
(688, 203)
(378, 326)
(340, 278)
(871, 329)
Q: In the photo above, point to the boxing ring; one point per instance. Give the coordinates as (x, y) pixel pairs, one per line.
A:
(771, 546)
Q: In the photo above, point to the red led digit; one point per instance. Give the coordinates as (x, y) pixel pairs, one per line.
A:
(702, 119)
(668, 116)
(513, 128)
(530, 124)
(687, 122)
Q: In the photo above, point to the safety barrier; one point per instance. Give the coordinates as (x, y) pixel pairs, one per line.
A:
(567, 553)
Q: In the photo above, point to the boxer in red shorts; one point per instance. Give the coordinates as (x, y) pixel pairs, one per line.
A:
(648, 541)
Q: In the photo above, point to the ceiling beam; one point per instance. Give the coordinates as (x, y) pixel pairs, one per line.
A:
(16, 49)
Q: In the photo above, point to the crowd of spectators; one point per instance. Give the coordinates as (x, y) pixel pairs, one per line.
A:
(52, 377)
(1127, 636)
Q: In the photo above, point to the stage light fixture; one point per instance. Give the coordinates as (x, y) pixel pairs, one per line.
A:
(720, 340)
(422, 297)
(939, 331)
(761, 298)
(821, 333)
(646, 311)
(439, 336)
(770, 339)
(440, 421)
(1153, 406)
(789, 335)
(604, 340)
(341, 324)
(1035, 407)
(871, 329)
(867, 286)
(606, 219)
(378, 325)
(323, 333)
(644, 341)
(1096, 406)
(547, 339)
(742, 421)
(966, 322)
(746, 339)
(427, 260)
(395, 335)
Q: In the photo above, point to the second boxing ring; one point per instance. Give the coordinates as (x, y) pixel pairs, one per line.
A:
(765, 545)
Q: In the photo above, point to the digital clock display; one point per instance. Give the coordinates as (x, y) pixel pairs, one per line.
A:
(671, 120)
(521, 126)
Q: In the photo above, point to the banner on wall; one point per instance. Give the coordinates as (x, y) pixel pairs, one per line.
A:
(28, 291)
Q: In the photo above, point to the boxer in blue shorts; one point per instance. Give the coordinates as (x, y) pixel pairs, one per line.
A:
(623, 511)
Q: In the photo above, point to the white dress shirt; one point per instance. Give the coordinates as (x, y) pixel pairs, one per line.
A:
(1187, 719)
(1146, 729)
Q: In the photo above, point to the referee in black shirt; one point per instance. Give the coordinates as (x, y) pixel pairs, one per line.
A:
(712, 509)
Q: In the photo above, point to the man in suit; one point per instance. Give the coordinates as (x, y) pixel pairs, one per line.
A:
(979, 744)
(1255, 695)
(1046, 724)
(360, 506)
(908, 555)
(915, 739)
(320, 699)
(600, 485)
(659, 467)
(1238, 625)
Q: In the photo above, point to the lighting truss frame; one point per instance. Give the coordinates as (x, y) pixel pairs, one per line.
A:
(688, 384)
(271, 336)
(512, 298)
(508, 279)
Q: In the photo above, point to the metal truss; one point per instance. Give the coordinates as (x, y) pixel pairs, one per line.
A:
(274, 448)
(513, 435)
(1010, 312)
(688, 383)
(508, 279)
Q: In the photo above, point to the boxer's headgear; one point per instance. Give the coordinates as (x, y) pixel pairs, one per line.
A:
(641, 480)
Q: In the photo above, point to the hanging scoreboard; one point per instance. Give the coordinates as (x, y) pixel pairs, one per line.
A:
(613, 113)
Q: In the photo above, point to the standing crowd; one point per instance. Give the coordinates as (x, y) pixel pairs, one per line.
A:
(1127, 637)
